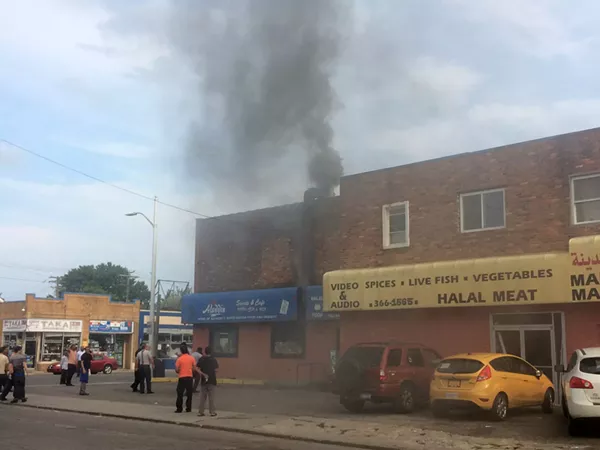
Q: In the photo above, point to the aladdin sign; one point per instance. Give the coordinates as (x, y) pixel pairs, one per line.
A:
(42, 325)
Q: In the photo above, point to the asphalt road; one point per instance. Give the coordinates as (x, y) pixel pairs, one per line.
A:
(59, 431)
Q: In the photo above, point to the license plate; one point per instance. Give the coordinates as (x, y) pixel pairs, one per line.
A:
(365, 396)
(451, 395)
(454, 383)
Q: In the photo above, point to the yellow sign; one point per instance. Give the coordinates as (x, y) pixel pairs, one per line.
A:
(518, 280)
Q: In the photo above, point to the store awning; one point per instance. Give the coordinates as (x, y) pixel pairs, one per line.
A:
(515, 280)
(265, 305)
(314, 305)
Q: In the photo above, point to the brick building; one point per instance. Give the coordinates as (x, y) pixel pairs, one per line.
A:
(45, 328)
(519, 205)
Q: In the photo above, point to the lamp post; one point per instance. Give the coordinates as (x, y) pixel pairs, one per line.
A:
(151, 335)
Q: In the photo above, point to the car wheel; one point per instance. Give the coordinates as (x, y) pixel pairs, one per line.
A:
(353, 406)
(548, 405)
(107, 369)
(500, 407)
(405, 402)
(575, 428)
(439, 410)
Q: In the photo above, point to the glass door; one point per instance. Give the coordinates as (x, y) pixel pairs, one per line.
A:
(538, 346)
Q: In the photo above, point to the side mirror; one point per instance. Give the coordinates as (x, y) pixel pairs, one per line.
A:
(560, 368)
(538, 374)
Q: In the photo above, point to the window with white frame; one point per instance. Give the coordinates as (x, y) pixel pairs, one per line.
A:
(482, 210)
(395, 225)
(585, 194)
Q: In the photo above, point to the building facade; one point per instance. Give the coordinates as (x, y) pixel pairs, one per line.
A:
(470, 219)
(45, 328)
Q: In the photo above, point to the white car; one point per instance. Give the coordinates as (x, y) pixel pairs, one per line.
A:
(581, 388)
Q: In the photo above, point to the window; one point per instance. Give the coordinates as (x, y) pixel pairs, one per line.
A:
(367, 357)
(54, 344)
(415, 358)
(394, 358)
(224, 340)
(396, 225)
(590, 365)
(523, 367)
(459, 366)
(572, 362)
(585, 193)
(431, 357)
(501, 364)
(287, 340)
(482, 210)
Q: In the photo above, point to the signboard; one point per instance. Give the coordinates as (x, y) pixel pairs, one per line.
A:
(584, 262)
(111, 326)
(42, 325)
(518, 280)
(314, 305)
(265, 305)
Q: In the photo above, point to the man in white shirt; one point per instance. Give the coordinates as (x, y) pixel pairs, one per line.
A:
(145, 362)
(197, 355)
(79, 353)
(3, 368)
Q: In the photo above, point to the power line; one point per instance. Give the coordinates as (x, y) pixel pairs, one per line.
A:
(92, 177)
(21, 279)
(33, 269)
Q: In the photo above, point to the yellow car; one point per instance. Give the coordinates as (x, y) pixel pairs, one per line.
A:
(491, 381)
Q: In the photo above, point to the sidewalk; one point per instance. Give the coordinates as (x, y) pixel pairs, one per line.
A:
(348, 432)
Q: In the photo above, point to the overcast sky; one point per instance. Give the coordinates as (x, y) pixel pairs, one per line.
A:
(96, 86)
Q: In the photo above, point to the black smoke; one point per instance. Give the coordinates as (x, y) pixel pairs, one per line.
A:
(264, 92)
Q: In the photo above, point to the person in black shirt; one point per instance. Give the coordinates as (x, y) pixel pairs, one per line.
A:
(208, 366)
(86, 366)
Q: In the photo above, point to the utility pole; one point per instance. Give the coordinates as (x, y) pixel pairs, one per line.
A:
(128, 276)
(54, 281)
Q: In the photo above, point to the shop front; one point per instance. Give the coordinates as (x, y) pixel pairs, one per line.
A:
(537, 306)
(268, 334)
(111, 337)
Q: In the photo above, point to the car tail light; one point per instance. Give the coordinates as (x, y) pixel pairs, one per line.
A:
(485, 374)
(382, 375)
(580, 383)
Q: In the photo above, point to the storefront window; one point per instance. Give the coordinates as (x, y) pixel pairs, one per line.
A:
(224, 340)
(12, 339)
(287, 340)
(168, 344)
(54, 344)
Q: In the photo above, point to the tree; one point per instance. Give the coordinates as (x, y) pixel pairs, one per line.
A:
(106, 278)
(171, 300)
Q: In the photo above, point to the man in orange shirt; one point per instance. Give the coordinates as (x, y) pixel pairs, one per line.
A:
(185, 367)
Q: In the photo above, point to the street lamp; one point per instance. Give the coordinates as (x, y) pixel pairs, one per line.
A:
(151, 335)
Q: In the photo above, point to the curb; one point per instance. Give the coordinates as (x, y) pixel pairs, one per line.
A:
(220, 381)
(220, 428)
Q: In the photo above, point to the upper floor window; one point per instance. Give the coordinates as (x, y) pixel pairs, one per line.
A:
(395, 225)
(585, 192)
(482, 210)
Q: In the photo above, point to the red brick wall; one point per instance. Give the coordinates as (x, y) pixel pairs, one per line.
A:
(535, 175)
(254, 359)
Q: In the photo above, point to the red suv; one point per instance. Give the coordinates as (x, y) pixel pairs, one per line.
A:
(385, 372)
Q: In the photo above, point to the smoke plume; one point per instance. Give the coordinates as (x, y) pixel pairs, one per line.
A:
(265, 98)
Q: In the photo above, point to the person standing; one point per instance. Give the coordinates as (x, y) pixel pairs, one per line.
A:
(185, 366)
(136, 373)
(86, 366)
(145, 363)
(79, 353)
(64, 367)
(197, 375)
(208, 366)
(18, 370)
(72, 366)
(4, 363)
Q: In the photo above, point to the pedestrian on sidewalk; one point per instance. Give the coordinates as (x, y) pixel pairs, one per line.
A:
(18, 371)
(64, 367)
(72, 366)
(185, 366)
(197, 375)
(79, 353)
(136, 373)
(208, 366)
(86, 366)
(145, 363)
(4, 363)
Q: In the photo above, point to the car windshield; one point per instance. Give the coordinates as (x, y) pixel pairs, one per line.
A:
(365, 356)
(590, 365)
(459, 365)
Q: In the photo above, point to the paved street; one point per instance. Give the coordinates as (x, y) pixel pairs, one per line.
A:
(59, 431)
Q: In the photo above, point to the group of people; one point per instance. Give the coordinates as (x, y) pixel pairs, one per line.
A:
(78, 362)
(193, 370)
(13, 372)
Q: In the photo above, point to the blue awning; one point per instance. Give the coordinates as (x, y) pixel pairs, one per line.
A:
(264, 305)
(314, 305)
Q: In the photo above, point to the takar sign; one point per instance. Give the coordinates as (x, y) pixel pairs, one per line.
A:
(14, 325)
(111, 326)
(529, 279)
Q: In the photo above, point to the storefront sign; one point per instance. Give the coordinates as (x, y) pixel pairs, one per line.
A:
(54, 325)
(314, 305)
(519, 280)
(111, 326)
(14, 325)
(266, 305)
(584, 265)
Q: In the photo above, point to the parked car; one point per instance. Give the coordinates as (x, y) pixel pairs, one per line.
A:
(385, 372)
(581, 388)
(100, 363)
(490, 381)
